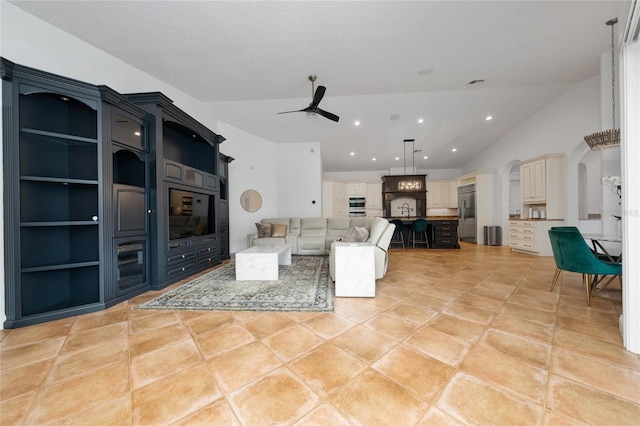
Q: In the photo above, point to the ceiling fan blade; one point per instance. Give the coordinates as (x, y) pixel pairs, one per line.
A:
(327, 114)
(317, 97)
(297, 110)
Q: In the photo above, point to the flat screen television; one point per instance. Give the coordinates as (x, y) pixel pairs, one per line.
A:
(190, 214)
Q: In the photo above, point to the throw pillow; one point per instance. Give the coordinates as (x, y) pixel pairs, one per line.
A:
(278, 230)
(356, 234)
(264, 230)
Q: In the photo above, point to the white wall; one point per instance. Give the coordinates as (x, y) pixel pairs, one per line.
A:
(593, 163)
(287, 176)
(558, 127)
(374, 176)
(3, 317)
(369, 176)
(27, 40)
(631, 195)
(253, 168)
(299, 167)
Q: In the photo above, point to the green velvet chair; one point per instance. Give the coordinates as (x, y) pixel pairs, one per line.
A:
(571, 253)
(418, 233)
(398, 237)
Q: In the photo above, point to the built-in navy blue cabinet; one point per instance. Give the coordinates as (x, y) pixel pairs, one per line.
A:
(187, 194)
(223, 205)
(53, 220)
(105, 195)
(128, 173)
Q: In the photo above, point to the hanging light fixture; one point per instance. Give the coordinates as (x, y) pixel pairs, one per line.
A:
(609, 138)
(410, 183)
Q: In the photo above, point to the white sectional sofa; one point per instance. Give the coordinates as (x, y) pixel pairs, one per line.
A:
(315, 235)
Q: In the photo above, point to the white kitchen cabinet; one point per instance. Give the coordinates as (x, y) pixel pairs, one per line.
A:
(531, 236)
(356, 189)
(374, 203)
(542, 185)
(340, 201)
(374, 196)
(453, 194)
(533, 181)
(442, 194)
(334, 199)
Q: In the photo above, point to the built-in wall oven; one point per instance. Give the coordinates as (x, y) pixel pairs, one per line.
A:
(357, 206)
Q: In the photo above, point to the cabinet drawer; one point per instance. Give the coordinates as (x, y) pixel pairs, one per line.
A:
(523, 245)
(207, 250)
(523, 223)
(447, 222)
(447, 228)
(446, 241)
(184, 269)
(441, 235)
(181, 257)
(205, 262)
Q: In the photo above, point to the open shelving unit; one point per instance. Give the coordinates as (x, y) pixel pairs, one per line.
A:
(52, 148)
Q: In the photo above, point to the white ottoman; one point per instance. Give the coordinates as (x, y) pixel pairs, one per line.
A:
(261, 262)
(355, 269)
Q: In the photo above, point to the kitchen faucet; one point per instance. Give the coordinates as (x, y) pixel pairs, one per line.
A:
(403, 207)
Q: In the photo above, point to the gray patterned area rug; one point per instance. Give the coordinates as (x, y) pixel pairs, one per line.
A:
(304, 285)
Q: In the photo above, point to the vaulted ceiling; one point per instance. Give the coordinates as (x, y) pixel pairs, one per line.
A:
(410, 60)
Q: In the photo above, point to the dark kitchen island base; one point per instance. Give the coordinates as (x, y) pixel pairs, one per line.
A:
(442, 233)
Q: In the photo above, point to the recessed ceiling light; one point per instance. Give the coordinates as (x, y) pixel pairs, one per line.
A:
(425, 157)
(488, 118)
(352, 153)
(136, 133)
(420, 120)
(397, 158)
(357, 123)
(454, 149)
(395, 117)
(373, 159)
(425, 71)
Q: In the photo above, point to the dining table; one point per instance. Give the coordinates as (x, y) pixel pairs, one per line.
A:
(597, 241)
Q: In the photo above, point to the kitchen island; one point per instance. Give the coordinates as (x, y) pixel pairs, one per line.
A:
(442, 231)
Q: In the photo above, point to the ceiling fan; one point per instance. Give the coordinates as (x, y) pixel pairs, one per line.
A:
(313, 106)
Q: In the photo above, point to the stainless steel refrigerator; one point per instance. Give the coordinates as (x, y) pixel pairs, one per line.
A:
(467, 213)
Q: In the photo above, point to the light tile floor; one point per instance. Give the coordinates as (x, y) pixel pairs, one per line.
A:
(470, 336)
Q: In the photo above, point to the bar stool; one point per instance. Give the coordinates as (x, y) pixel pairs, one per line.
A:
(397, 237)
(419, 229)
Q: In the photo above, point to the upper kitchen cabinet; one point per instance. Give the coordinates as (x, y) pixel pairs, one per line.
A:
(442, 194)
(374, 199)
(542, 183)
(357, 189)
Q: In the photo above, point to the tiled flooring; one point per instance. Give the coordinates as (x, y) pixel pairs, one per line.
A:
(471, 336)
